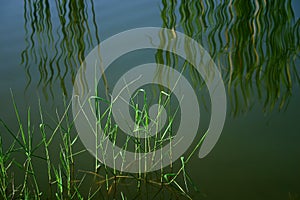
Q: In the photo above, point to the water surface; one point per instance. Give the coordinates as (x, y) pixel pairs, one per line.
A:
(254, 43)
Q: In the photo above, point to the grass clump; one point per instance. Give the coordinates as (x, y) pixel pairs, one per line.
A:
(49, 162)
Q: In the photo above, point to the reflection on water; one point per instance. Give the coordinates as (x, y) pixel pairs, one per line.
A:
(57, 38)
(255, 44)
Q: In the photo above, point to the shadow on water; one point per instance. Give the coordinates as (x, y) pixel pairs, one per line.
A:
(254, 43)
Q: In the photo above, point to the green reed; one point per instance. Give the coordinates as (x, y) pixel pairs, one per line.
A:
(67, 181)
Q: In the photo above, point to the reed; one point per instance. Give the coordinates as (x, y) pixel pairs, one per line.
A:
(65, 179)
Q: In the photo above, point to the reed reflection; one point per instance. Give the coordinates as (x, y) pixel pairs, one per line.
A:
(254, 43)
(58, 35)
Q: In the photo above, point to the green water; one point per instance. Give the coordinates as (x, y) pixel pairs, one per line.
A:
(254, 43)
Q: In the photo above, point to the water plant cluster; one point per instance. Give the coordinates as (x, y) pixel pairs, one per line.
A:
(51, 148)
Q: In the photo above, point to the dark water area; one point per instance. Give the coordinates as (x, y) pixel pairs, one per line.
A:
(255, 45)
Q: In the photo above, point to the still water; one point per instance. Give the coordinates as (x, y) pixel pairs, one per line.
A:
(255, 45)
